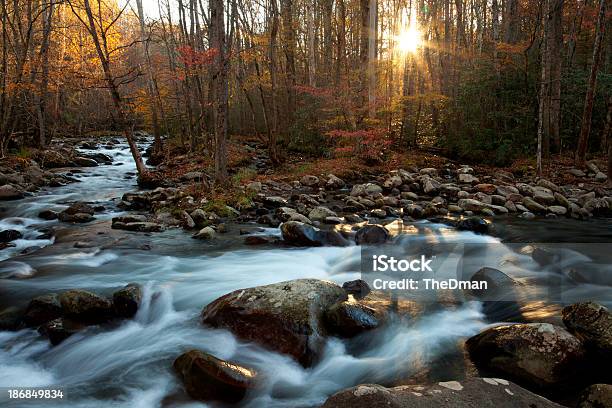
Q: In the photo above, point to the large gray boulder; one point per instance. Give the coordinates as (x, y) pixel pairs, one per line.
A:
(208, 378)
(10, 192)
(87, 307)
(286, 317)
(466, 393)
(539, 354)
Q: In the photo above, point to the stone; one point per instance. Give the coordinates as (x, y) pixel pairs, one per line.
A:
(429, 171)
(592, 167)
(125, 219)
(78, 218)
(470, 392)
(254, 187)
(138, 226)
(254, 240)
(274, 202)
(10, 192)
(557, 209)
(600, 177)
(596, 396)
(192, 176)
(47, 215)
(378, 213)
(527, 215)
(199, 217)
(358, 288)
(533, 206)
(11, 319)
(60, 329)
(430, 186)
(371, 234)
(486, 188)
(475, 224)
(320, 213)
(543, 196)
(79, 208)
(392, 182)
(208, 378)
(349, 319)
(539, 354)
(548, 185)
(561, 200)
(467, 178)
(301, 234)
(591, 323)
(599, 207)
(498, 283)
(469, 204)
(309, 181)
(188, 222)
(333, 182)
(86, 307)
(42, 309)
(10, 235)
(286, 317)
(506, 190)
(577, 173)
(127, 300)
(206, 233)
(84, 162)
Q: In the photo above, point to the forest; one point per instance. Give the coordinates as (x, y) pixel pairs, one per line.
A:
(488, 81)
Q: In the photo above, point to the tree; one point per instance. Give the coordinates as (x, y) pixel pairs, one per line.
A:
(98, 29)
(587, 114)
(220, 90)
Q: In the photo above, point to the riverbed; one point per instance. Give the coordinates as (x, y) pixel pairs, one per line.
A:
(130, 363)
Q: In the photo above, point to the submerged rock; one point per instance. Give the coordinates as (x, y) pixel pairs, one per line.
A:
(208, 378)
(206, 233)
(358, 288)
(466, 393)
(47, 215)
(285, 317)
(539, 354)
(592, 323)
(127, 300)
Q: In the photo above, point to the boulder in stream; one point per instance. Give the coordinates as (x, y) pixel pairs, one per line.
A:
(466, 393)
(208, 378)
(42, 309)
(301, 234)
(285, 317)
(371, 234)
(85, 306)
(350, 318)
(127, 300)
(10, 235)
(538, 354)
(60, 329)
(10, 192)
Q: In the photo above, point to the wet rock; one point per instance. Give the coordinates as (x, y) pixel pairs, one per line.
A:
(42, 309)
(527, 215)
(285, 317)
(465, 393)
(557, 210)
(333, 182)
(561, 200)
(208, 378)
(125, 219)
(592, 167)
(596, 396)
(87, 307)
(599, 207)
(431, 186)
(358, 288)
(469, 204)
(309, 181)
(591, 323)
(349, 319)
(255, 240)
(10, 235)
(539, 354)
(498, 283)
(600, 177)
(78, 218)
(301, 234)
(577, 172)
(11, 319)
(543, 196)
(378, 213)
(84, 162)
(544, 256)
(289, 214)
(127, 300)
(60, 329)
(100, 158)
(10, 192)
(392, 182)
(188, 222)
(367, 189)
(206, 233)
(475, 224)
(371, 234)
(320, 213)
(47, 215)
(199, 217)
(138, 226)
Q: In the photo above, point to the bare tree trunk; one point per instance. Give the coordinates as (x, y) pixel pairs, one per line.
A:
(273, 19)
(607, 131)
(149, 74)
(554, 53)
(221, 90)
(372, 56)
(310, 10)
(544, 88)
(585, 129)
(44, 80)
(289, 51)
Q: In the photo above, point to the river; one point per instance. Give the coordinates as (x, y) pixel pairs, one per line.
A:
(130, 363)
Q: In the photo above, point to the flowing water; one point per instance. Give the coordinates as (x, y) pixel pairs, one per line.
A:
(130, 363)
